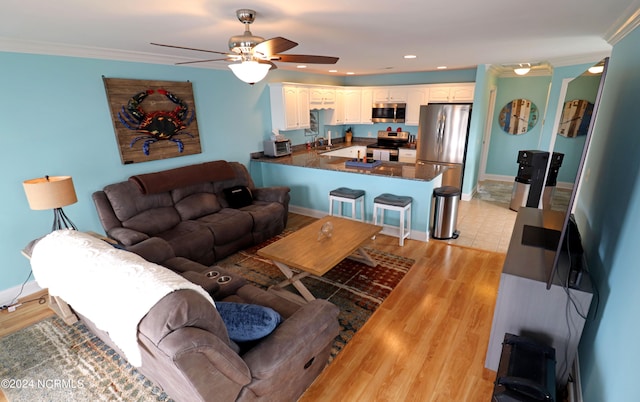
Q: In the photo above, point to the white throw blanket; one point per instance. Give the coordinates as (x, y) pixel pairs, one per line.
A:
(113, 288)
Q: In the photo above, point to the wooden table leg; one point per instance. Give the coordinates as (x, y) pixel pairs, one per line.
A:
(62, 309)
(363, 257)
(294, 280)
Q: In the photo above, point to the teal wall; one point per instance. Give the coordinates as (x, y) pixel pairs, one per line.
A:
(608, 216)
(503, 149)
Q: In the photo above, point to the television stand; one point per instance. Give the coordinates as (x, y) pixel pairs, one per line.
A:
(526, 307)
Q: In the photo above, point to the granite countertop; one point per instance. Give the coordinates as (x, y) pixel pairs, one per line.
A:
(315, 159)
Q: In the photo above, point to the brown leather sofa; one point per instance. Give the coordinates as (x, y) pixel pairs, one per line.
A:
(186, 350)
(191, 210)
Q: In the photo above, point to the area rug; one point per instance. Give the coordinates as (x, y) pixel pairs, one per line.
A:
(53, 361)
(357, 289)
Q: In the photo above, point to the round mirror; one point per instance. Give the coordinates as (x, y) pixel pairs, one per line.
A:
(576, 116)
(518, 116)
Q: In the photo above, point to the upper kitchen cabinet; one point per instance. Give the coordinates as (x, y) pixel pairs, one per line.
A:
(451, 93)
(366, 102)
(289, 106)
(416, 96)
(352, 106)
(389, 94)
(322, 97)
(335, 116)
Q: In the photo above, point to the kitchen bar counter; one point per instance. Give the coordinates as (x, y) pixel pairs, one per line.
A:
(316, 160)
(311, 176)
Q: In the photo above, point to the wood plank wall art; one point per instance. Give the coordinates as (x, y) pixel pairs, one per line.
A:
(153, 119)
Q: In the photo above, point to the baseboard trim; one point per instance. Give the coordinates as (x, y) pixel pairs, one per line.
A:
(12, 295)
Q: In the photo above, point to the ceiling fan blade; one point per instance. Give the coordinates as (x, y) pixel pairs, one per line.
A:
(273, 66)
(188, 48)
(272, 46)
(304, 58)
(203, 61)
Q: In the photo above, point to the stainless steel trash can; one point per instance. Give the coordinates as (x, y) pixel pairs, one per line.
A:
(445, 212)
(520, 193)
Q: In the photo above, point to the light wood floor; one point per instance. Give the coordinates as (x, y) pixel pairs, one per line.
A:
(427, 342)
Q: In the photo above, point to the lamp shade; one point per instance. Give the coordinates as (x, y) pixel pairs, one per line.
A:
(50, 192)
(250, 71)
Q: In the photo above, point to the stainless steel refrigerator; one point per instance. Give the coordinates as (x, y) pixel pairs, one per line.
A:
(442, 138)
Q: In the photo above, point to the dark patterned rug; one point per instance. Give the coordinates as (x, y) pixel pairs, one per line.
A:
(357, 289)
(53, 361)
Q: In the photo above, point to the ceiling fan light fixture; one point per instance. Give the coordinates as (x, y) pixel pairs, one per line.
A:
(250, 71)
(522, 69)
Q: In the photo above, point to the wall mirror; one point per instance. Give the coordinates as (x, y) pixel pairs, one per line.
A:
(587, 86)
(518, 116)
(571, 139)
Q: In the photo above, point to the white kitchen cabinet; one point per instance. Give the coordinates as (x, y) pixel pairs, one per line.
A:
(416, 96)
(289, 107)
(335, 116)
(366, 101)
(389, 94)
(352, 105)
(451, 93)
(407, 155)
(322, 97)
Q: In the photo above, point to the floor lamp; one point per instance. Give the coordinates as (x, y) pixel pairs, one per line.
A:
(52, 192)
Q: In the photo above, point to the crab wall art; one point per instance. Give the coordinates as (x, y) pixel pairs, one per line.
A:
(153, 119)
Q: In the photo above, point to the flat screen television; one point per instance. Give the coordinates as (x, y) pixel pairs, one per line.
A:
(571, 127)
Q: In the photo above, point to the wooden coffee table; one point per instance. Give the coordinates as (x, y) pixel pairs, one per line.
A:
(313, 254)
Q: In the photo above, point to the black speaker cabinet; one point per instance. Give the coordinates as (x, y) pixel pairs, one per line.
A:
(534, 164)
(526, 372)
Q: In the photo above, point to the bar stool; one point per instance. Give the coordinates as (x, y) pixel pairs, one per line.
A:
(348, 195)
(398, 203)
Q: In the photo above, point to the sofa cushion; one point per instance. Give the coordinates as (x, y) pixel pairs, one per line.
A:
(190, 240)
(247, 322)
(153, 221)
(228, 225)
(196, 205)
(127, 201)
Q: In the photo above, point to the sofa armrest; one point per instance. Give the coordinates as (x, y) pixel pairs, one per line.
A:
(126, 236)
(297, 339)
(212, 367)
(278, 194)
(153, 249)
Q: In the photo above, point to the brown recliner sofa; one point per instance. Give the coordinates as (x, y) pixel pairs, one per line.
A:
(185, 347)
(193, 210)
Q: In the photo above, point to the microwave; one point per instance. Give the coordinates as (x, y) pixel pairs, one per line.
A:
(277, 148)
(388, 112)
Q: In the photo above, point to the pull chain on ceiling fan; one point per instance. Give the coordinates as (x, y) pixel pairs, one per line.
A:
(255, 54)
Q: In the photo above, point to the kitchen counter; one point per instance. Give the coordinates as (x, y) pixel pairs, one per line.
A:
(316, 160)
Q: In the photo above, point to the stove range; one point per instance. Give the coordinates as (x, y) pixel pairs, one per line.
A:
(388, 144)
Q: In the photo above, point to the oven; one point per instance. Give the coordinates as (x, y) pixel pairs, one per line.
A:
(387, 147)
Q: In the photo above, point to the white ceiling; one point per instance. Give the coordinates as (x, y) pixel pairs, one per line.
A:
(369, 36)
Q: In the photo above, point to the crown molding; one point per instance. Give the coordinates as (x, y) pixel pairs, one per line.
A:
(627, 22)
(57, 49)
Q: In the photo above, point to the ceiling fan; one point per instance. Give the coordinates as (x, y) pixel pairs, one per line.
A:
(253, 55)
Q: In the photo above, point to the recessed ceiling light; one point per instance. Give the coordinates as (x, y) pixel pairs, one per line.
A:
(410, 56)
(350, 73)
(441, 67)
(333, 71)
(301, 66)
